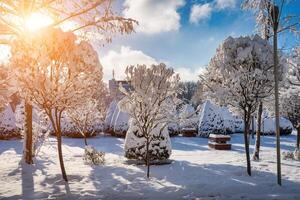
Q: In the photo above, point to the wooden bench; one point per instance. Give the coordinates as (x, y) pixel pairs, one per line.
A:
(219, 142)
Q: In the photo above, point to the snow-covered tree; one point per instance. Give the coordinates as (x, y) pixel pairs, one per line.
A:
(97, 17)
(92, 20)
(294, 69)
(198, 97)
(272, 20)
(290, 98)
(239, 75)
(150, 105)
(85, 117)
(56, 73)
(188, 90)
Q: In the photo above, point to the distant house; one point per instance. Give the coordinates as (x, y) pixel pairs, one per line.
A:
(114, 85)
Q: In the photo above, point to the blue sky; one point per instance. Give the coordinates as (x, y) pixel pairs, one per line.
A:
(168, 33)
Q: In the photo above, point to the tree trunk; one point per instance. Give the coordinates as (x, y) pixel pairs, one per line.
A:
(246, 133)
(253, 126)
(147, 158)
(28, 134)
(85, 140)
(298, 137)
(258, 132)
(60, 155)
(275, 16)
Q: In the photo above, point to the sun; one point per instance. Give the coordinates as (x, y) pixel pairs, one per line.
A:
(36, 21)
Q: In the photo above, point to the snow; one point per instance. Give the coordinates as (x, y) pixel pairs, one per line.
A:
(197, 172)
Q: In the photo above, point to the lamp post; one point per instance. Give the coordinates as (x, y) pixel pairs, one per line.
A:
(275, 20)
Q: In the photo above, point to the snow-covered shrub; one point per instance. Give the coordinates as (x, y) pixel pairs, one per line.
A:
(189, 117)
(108, 124)
(116, 121)
(297, 154)
(121, 123)
(291, 155)
(173, 129)
(238, 125)
(210, 121)
(85, 117)
(286, 155)
(229, 120)
(268, 127)
(93, 157)
(135, 143)
(8, 127)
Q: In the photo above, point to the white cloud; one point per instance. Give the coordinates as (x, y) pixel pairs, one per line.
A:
(154, 16)
(222, 4)
(187, 74)
(200, 12)
(120, 60)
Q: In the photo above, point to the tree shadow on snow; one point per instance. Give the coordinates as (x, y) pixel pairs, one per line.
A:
(101, 142)
(189, 143)
(183, 179)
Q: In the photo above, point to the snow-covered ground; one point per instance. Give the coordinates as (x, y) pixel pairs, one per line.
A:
(197, 172)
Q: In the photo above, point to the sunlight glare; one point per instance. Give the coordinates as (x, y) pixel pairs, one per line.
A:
(37, 21)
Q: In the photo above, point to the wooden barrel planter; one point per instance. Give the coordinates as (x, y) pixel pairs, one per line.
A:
(219, 142)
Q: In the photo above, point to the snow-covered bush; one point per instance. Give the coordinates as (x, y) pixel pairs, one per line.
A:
(268, 127)
(121, 123)
(116, 120)
(229, 120)
(297, 154)
(210, 121)
(93, 157)
(173, 128)
(238, 124)
(8, 127)
(108, 124)
(135, 143)
(294, 155)
(85, 117)
(189, 117)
